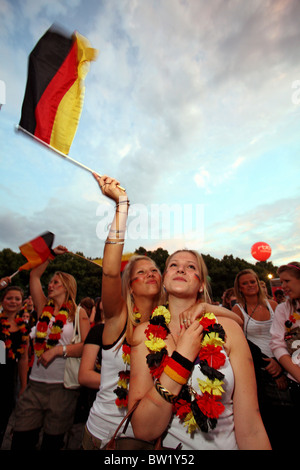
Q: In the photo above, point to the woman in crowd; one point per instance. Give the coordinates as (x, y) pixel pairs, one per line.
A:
(257, 313)
(201, 391)
(229, 298)
(285, 342)
(46, 403)
(127, 301)
(13, 353)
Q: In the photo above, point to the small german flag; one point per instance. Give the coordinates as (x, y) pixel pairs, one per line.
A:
(55, 89)
(37, 250)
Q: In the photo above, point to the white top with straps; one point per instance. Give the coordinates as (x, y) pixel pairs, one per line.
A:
(258, 332)
(105, 416)
(220, 438)
(54, 372)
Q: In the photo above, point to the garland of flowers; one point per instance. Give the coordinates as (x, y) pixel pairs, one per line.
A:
(123, 383)
(43, 341)
(292, 319)
(194, 410)
(5, 336)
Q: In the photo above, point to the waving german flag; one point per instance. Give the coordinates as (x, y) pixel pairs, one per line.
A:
(37, 251)
(55, 89)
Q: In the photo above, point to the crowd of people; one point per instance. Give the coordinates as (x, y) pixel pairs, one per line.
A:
(201, 375)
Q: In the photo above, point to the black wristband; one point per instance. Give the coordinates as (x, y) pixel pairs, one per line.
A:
(183, 361)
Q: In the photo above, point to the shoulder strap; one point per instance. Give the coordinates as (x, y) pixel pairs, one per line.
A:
(126, 420)
(77, 325)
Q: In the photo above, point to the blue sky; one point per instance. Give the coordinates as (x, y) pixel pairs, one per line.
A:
(191, 104)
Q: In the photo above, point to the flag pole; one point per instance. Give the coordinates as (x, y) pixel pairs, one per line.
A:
(71, 160)
(82, 257)
(4, 283)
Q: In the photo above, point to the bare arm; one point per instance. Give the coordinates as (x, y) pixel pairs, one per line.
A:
(87, 375)
(36, 290)
(290, 367)
(200, 308)
(23, 369)
(249, 428)
(114, 306)
(153, 409)
(73, 350)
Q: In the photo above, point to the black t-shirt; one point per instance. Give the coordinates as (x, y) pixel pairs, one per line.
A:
(94, 336)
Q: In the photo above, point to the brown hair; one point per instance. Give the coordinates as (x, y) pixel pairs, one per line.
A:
(293, 268)
(10, 288)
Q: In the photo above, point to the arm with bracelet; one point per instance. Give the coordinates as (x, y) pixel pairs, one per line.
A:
(198, 377)
(158, 396)
(114, 305)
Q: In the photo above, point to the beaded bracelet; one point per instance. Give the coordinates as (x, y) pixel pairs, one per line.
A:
(110, 242)
(178, 368)
(164, 393)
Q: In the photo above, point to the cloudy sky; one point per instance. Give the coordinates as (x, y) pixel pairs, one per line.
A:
(193, 105)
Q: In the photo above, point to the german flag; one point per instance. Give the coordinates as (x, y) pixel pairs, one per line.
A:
(55, 89)
(125, 259)
(37, 250)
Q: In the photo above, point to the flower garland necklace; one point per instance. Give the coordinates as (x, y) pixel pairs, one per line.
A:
(123, 383)
(5, 334)
(194, 410)
(42, 342)
(292, 319)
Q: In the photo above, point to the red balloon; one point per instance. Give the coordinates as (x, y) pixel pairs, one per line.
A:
(261, 251)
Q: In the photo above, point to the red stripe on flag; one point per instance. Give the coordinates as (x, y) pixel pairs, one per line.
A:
(46, 108)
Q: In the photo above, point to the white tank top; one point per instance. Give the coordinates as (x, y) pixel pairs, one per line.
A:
(258, 332)
(54, 373)
(220, 438)
(105, 416)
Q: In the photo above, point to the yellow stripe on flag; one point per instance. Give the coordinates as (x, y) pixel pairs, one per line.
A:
(70, 108)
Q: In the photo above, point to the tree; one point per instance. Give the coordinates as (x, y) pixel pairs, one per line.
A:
(89, 275)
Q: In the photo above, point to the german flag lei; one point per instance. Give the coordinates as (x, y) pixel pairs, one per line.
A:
(196, 411)
(43, 341)
(123, 382)
(5, 336)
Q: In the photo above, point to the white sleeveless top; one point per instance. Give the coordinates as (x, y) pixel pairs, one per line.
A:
(258, 332)
(220, 438)
(54, 373)
(105, 416)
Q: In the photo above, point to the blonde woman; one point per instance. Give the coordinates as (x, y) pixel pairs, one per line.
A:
(46, 404)
(128, 300)
(257, 313)
(201, 391)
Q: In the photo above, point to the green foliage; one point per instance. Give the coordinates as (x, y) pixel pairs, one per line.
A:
(89, 276)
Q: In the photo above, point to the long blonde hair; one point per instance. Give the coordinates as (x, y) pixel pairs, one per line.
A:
(126, 293)
(70, 285)
(204, 295)
(240, 296)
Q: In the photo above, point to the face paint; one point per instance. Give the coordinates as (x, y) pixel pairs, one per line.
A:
(134, 280)
(197, 276)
